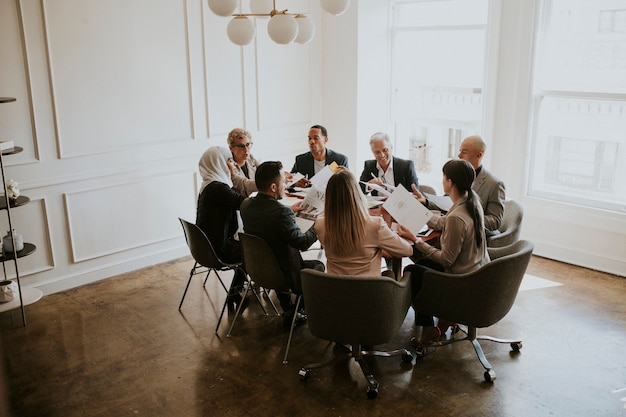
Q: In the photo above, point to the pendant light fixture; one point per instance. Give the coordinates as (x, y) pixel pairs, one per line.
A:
(283, 27)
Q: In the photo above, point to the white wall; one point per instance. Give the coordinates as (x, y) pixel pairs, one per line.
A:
(116, 101)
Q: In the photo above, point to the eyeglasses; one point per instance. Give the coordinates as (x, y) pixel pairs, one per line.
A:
(244, 145)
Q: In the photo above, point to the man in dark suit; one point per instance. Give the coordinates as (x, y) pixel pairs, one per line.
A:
(386, 168)
(310, 163)
(264, 216)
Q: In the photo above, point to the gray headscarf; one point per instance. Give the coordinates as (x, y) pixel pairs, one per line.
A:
(213, 166)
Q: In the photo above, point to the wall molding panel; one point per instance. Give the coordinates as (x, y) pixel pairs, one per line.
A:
(108, 83)
(115, 218)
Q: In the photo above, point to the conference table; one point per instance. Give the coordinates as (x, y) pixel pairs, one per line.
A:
(375, 210)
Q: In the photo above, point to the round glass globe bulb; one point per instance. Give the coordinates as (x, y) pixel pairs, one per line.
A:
(335, 7)
(261, 6)
(240, 30)
(306, 29)
(282, 28)
(223, 7)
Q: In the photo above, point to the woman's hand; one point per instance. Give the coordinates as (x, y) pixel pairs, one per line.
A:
(405, 233)
(416, 192)
(232, 166)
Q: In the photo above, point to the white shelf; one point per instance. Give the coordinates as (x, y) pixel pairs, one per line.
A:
(29, 296)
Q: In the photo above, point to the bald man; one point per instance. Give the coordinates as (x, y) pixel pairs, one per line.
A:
(490, 189)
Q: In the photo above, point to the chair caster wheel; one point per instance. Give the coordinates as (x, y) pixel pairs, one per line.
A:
(407, 358)
(304, 374)
(490, 375)
(516, 346)
(372, 393)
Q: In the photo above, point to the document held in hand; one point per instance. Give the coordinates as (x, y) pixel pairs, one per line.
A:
(406, 210)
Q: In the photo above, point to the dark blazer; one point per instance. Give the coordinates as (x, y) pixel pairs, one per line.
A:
(304, 162)
(269, 219)
(216, 215)
(403, 173)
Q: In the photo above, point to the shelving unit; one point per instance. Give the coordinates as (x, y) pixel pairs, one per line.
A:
(27, 295)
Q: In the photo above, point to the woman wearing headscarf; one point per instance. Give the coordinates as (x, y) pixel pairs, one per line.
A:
(216, 214)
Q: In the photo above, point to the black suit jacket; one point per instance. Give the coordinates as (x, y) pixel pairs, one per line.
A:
(304, 163)
(267, 218)
(403, 173)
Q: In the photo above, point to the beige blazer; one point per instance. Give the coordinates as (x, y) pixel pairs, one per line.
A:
(459, 253)
(366, 260)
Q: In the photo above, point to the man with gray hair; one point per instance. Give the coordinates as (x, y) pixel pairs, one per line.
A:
(386, 168)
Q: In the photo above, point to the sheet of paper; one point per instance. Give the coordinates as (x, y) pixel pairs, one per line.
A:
(381, 190)
(444, 202)
(304, 224)
(321, 178)
(374, 201)
(313, 203)
(295, 178)
(406, 210)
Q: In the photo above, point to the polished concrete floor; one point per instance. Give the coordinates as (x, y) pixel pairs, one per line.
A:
(120, 347)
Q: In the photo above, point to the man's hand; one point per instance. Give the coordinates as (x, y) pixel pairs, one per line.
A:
(297, 207)
(303, 183)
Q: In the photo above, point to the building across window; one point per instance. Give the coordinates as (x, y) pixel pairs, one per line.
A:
(579, 135)
(437, 77)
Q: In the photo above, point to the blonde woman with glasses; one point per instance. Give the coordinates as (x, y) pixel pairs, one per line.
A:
(240, 144)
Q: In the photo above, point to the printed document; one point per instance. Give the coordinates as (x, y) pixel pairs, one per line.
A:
(444, 202)
(406, 210)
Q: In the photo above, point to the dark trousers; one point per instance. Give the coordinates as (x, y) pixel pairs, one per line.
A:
(417, 275)
(284, 297)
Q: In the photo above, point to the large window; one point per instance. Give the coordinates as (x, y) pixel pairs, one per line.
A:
(579, 137)
(438, 66)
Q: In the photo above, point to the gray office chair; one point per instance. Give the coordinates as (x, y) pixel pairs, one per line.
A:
(510, 228)
(262, 266)
(206, 261)
(426, 189)
(358, 311)
(477, 299)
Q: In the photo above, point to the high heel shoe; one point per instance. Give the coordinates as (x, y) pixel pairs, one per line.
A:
(430, 335)
(233, 301)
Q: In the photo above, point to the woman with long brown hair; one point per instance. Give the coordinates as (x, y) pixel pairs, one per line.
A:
(353, 240)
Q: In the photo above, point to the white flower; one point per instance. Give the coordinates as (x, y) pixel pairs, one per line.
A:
(13, 190)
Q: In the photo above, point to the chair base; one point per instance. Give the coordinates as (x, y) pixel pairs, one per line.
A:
(358, 354)
(248, 286)
(470, 335)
